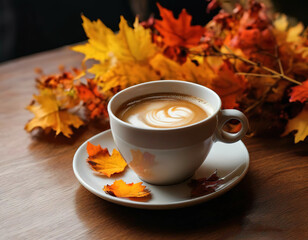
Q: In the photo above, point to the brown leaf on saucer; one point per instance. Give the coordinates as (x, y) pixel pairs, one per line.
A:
(132, 190)
(102, 162)
(204, 186)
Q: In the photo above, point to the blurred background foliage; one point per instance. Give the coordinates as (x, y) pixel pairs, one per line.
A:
(30, 26)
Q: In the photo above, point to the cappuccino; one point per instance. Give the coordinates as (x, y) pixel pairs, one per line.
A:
(164, 110)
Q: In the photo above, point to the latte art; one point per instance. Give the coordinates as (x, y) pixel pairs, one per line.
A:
(170, 117)
(164, 111)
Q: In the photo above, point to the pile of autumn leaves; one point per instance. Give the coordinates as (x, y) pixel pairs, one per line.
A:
(256, 64)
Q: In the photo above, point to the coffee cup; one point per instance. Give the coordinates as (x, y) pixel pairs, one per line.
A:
(168, 155)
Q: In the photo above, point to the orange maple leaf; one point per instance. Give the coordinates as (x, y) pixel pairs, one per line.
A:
(94, 101)
(299, 93)
(228, 85)
(102, 162)
(121, 189)
(178, 32)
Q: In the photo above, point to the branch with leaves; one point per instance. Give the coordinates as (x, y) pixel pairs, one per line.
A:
(256, 63)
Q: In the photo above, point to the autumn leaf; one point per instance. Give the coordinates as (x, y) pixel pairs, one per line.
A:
(121, 189)
(200, 73)
(299, 93)
(298, 124)
(204, 186)
(133, 44)
(102, 162)
(125, 75)
(48, 115)
(94, 101)
(100, 37)
(228, 85)
(62, 85)
(178, 32)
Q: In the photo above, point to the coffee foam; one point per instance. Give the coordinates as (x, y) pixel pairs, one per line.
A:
(164, 111)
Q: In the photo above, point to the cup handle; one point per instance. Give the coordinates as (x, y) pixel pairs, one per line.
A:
(225, 116)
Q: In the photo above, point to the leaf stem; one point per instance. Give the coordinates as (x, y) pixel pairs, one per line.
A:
(277, 74)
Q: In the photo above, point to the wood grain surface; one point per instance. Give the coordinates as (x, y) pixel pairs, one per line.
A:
(40, 198)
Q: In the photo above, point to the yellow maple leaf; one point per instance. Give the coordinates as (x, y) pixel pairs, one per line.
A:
(133, 45)
(121, 189)
(100, 69)
(48, 115)
(201, 73)
(102, 162)
(100, 37)
(167, 68)
(189, 71)
(299, 124)
(125, 75)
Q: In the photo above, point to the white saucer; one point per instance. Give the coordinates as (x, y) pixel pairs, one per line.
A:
(230, 160)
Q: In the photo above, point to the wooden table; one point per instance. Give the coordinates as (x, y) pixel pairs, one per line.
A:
(40, 198)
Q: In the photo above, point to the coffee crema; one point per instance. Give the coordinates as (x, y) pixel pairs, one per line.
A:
(164, 110)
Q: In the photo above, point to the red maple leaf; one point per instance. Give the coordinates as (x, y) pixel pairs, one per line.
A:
(299, 93)
(178, 32)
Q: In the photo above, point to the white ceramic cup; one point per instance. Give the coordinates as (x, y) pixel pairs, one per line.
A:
(168, 156)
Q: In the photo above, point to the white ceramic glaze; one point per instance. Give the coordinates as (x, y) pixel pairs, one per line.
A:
(230, 160)
(167, 156)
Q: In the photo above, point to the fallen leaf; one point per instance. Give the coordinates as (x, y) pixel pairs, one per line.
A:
(121, 189)
(102, 162)
(299, 93)
(178, 32)
(125, 75)
(298, 124)
(48, 115)
(228, 85)
(94, 101)
(189, 71)
(204, 186)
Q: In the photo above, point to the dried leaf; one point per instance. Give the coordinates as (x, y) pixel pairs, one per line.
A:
(48, 115)
(298, 124)
(121, 189)
(102, 162)
(94, 101)
(189, 71)
(125, 75)
(228, 85)
(178, 32)
(204, 186)
(299, 93)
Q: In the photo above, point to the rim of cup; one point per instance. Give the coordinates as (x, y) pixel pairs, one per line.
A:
(213, 114)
